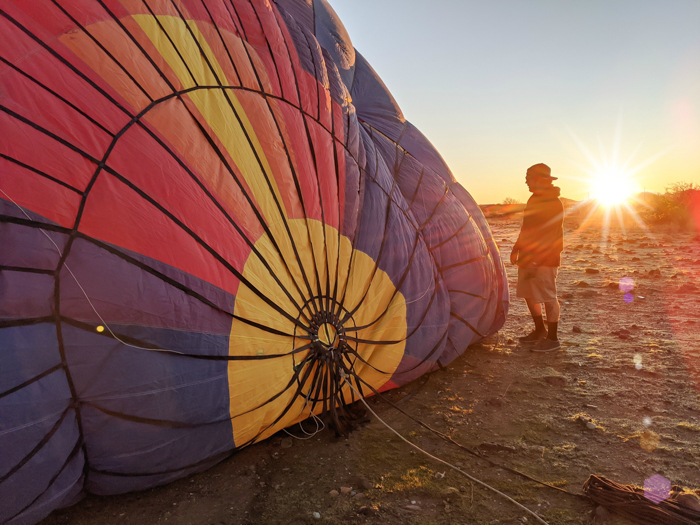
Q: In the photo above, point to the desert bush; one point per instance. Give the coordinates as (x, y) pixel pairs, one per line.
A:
(675, 207)
(510, 200)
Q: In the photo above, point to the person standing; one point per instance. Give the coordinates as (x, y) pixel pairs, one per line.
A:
(537, 252)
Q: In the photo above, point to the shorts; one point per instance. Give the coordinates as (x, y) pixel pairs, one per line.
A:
(538, 283)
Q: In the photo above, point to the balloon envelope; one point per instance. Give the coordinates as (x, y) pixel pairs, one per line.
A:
(213, 217)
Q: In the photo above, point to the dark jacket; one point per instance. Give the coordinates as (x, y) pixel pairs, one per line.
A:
(541, 239)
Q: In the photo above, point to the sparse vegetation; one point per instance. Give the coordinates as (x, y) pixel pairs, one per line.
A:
(510, 200)
(675, 207)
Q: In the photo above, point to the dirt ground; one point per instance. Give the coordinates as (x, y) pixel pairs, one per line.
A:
(631, 368)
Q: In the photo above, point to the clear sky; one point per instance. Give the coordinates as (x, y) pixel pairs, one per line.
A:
(500, 85)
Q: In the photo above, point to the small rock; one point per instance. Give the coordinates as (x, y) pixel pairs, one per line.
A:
(510, 341)
(334, 493)
(286, 442)
(592, 270)
(591, 425)
(555, 380)
(582, 284)
(689, 501)
(523, 519)
(359, 495)
(367, 510)
(317, 515)
(345, 490)
(576, 329)
(602, 514)
(412, 507)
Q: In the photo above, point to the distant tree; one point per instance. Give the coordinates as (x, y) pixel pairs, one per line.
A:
(511, 200)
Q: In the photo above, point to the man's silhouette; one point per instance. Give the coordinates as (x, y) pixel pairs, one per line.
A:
(537, 252)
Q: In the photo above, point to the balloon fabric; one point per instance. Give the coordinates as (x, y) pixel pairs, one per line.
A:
(213, 214)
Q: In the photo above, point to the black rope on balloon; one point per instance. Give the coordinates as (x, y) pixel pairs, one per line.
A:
(466, 323)
(463, 263)
(455, 234)
(22, 269)
(34, 379)
(41, 173)
(209, 460)
(467, 293)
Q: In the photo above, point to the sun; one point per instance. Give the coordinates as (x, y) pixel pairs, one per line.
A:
(612, 186)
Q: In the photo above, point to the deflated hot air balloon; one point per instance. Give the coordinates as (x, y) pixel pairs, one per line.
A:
(213, 216)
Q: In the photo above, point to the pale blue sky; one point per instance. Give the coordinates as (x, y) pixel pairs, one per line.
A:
(499, 85)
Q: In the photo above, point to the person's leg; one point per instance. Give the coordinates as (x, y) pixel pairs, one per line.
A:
(552, 309)
(536, 313)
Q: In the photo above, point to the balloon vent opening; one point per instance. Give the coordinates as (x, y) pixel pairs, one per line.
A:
(331, 361)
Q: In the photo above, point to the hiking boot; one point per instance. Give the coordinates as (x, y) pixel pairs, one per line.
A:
(546, 345)
(532, 338)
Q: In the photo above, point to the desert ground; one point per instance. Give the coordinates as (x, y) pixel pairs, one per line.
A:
(621, 400)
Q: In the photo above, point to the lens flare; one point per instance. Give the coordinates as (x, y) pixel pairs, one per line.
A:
(612, 186)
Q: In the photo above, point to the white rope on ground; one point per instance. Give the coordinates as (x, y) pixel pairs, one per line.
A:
(472, 478)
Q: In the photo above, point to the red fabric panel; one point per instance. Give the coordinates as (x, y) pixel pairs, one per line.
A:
(117, 215)
(38, 194)
(35, 61)
(271, 28)
(138, 158)
(327, 176)
(253, 33)
(176, 127)
(306, 173)
(25, 98)
(259, 115)
(21, 142)
(54, 23)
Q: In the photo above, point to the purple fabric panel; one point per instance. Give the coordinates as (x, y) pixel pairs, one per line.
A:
(24, 294)
(116, 290)
(421, 148)
(375, 105)
(37, 251)
(333, 37)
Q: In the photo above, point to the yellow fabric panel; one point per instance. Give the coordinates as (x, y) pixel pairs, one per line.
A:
(213, 104)
(253, 383)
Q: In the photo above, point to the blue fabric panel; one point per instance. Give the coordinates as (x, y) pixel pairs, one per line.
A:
(26, 352)
(64, 491)
(116, 290)
(148, 384)
(107, 484)
(34, 477)
(24, 294)
(33, 248)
